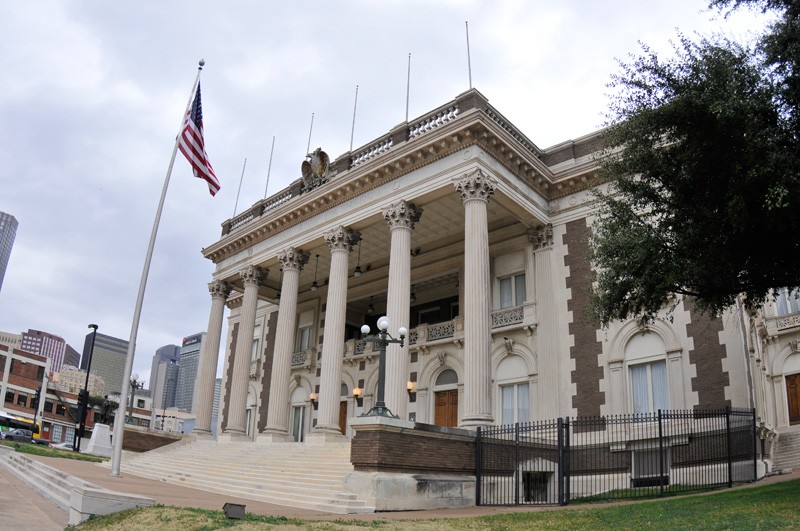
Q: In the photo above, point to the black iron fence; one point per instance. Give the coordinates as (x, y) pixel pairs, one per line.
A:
(613, 457)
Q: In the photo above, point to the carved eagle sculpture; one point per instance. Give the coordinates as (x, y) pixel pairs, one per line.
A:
(315, 168)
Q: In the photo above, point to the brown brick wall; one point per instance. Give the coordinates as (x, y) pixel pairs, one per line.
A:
(586, 348)
(412, 451)
(226, 400)
(266, 373)
(707, 356)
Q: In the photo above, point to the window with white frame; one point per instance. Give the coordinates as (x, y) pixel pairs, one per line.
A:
(515, 403)
(305, 331)
(788, 301)
(649, 390)
(514, 390)
(56, 434)
(512, 290)
(254, 350)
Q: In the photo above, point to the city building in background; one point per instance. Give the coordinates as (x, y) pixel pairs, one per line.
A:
(72, 379)
(8, 231)
(45, 344)
(11, 340)
(187, 373)
(108, 359)
(72, 357)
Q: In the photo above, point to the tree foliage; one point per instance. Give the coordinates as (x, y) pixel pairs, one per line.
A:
(703, 197)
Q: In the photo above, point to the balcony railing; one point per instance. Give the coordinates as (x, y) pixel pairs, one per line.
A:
(783, 324)
(425, 335)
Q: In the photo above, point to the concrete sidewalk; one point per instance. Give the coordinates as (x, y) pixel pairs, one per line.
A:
(32, 511)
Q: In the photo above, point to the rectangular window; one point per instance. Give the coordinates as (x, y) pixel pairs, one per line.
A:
(649, 387)
(69, 434)
(60, 410)
(10, 397)
(254, 350)
(22, 400)
(304, 338)
(48, 406)
(515, 403)
(512, 291)
(56, 435)
(140, 403)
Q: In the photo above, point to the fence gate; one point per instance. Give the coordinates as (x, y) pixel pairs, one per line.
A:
(613, 457)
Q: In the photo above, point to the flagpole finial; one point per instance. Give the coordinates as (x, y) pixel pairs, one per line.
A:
(202, 63)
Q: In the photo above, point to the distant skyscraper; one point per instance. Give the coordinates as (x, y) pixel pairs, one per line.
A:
(108, 360)
(215, 406)
(47, 345)
(8, 231)
(72, 357)
(187, 374)
(162, 389)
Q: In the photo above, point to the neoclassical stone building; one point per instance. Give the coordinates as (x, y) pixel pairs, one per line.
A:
(460, 228)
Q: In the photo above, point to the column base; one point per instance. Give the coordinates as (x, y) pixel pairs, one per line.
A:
(474, 421)
(322, 435)
(229, 437)
(269, 437)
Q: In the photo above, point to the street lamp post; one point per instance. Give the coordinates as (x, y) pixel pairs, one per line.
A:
(135, 384)
(83, 396)
(382, 339)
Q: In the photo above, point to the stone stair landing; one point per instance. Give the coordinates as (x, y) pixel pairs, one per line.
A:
(299, 475)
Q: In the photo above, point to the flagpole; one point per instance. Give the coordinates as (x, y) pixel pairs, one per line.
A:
(269, 168)
(119, 421)
(236, 204)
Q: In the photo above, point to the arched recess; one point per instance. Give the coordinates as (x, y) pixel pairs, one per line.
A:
(646, 369)
(515, 385)
(299, 407)
(786, 383)
(251, 414)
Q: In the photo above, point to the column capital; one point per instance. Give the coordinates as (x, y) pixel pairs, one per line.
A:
(292, 258)
(475, 185)
(219, 288)
(402, 214)
(342, 238)
(252, 275)
(541, 237)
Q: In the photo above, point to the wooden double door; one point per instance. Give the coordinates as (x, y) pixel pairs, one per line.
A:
(793, 397)
(446, 408)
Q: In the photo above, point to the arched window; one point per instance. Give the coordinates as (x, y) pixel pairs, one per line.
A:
(645, 356)
(514, 391)
(447, 377)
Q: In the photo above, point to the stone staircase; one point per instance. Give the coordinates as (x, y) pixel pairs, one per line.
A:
(786, 450)
(292, 474)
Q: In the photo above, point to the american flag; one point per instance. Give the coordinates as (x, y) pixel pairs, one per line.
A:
(192, 146)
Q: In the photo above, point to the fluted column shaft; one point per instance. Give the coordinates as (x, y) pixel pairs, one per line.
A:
(237, 406)
(292, 261)
(547, 328)
(340, 241)
(207, 372)
(401, 218)
(475, 189)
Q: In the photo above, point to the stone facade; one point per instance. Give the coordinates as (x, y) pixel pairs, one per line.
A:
(466, 233)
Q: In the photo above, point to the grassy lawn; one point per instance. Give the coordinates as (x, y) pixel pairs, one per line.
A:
(773, 506)
(38, 449)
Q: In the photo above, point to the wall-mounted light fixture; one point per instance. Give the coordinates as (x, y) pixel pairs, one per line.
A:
(313, 397)
(314, 285)
(412, 391)
(357, 273)
(358, 394)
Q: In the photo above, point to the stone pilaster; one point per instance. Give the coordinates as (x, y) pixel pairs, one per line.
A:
(546, 348)
(475, 188)
(251, 277)
(207, 372)
(292, 261)
(401, 218)
(341, 241)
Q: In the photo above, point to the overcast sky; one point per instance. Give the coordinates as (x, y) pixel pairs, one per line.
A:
(92, 95)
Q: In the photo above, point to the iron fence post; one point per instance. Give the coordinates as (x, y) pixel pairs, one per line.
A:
(560, 431)
(730, 444)
(478, 464)
(516, 464)
(567, 460)
(755, 439)
(660, 455)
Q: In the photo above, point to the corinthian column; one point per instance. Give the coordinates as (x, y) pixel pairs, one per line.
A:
(341, 241)
(401, 218)
(475, 189)
(251, 276)
(207, 372)
(546, 338)
(292, 261)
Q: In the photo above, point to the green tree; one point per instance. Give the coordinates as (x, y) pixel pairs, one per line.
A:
(703, 195)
